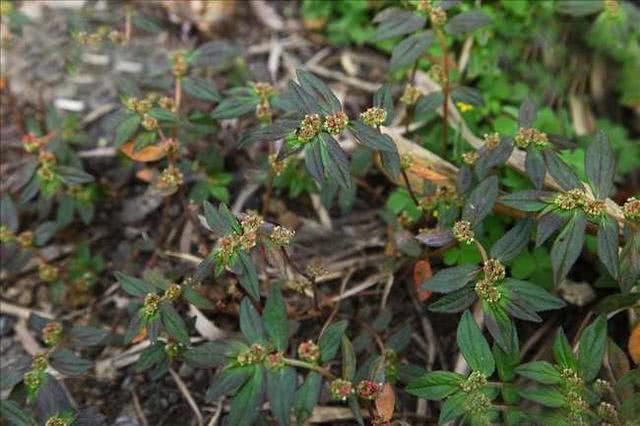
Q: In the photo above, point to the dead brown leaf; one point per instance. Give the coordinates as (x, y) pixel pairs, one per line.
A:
(386, 402)
(422, 272)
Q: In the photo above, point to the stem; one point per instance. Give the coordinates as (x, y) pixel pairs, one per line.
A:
(482, 251)
(302, 364)
(409, 188)
(178, 96)
(445, 88)
(127, 25)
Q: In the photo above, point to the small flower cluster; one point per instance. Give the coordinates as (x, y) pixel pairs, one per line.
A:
(410, 95)
(406, 161)
(487, 291)
(32, 143)
(309, 351)
(309, 128)
(97, 37)
(470, 157)
(172, 292)
(149, 123)
(631, 209)
(151, 305)
(577, 198)
(341, 389)
(336, 123)
(263, 109)
(281, 235)
(438, 16)
(250, 224)
(52, 333)
(274, 361)
(170, 179)
(493, 270)
(477, 403)
(529, 136)
(180, 64)
(463, 232)
(374, 116)
(47, 272)
(173, 349)
(143, 106)
(609, 413)
(33, 378)
(491, 140)
(368, 389)
(60, 420)
(438, 74)
(475, 381)
(255, 354)
(24, 239)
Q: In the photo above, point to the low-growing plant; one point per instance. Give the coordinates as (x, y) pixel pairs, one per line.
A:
(295, 346)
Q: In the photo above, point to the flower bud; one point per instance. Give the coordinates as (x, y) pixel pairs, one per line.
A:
(410, 95)
(59, 421)
(309, 351)
(475, 381)
(491, 140)
(263, 90)
(340, 389)
(486, 291)
(374, 116)
(5, 234)
(493, 270)
(438, 16)
(48, 273)
(463, 232)
(368, 389)
(32, 380)
(274, 361)
(527, 136)
(173, 349)
(25, 239)
(336, 123)
(172, 292)
(52, 333)
(631, 209)
(151, 305)
(470, 157)
(149, 123)
(281, 236)
(309, 128)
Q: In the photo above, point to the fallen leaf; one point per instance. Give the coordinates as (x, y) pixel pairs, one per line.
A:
(140, 336)
(386, 402)
(426, 173)
(422, 272)
(634, 344)
(147, 175)
(146, 154)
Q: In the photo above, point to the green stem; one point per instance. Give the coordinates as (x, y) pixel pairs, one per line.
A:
(302, 364)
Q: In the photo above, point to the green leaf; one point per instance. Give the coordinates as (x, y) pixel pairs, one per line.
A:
(9, 213)
(68, 363)
(511, 244)
(330, 340)
(245, 269)
(372, 138)
(228, 381)
(73, 176)
(348, 359)
(410, 50)
(335, 161)
(246, 405)
(456, 301)
(153, 355)
(313, 162)
(506, 362)
(608, 245)
(216, 220)
(83, 336)
(395, 22)
(499, 325)
(467, 95)
(173, 323)
(549, 397)
(200, 88)
(307, 397)
(382, 98)
(578, 8)
(567, 247)
(250, 323)
(474, 346)
(560, 171)
(467, 22)
(527, 201)
(192, 296)
(14, 414)
(540, 371)
(275, 319)
(281, 388)
(614, 302)
(535, 297)
(451, 279)
(428, 103)
(562, 352)
(600, 166)
(311, 84)
(591, 348)
(164, 116)
(134, 286)
(527, 113)
(390, 162)
(534, 166)
(235, 107)
(435, 385)
(547, 225)
(207, 355)
(481, 200)
(452, 408)
(126, 129)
